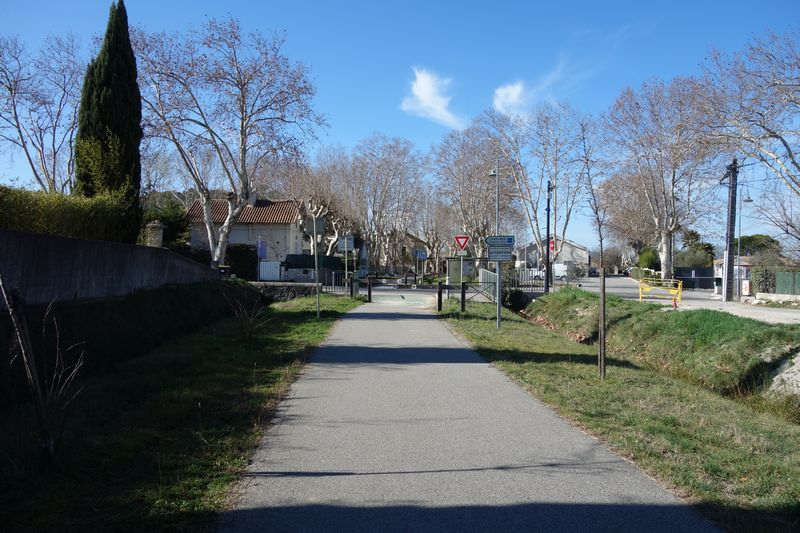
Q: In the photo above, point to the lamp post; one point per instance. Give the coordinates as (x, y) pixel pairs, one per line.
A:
(498, 293)
(547, 246)
(747, 200)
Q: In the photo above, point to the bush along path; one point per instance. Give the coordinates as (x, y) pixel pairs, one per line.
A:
(158, 443)
(737, 465)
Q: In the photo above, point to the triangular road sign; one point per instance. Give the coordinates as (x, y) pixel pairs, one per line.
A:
(461, 241)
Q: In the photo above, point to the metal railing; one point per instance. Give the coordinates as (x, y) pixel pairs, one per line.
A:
(487, 283)
(672, 287)
(335, 283)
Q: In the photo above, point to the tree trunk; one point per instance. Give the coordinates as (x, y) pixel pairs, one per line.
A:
(665, 253)
(601, 344)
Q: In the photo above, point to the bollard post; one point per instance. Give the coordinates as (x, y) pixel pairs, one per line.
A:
(463, 296)
(439, 296)
(369, 289)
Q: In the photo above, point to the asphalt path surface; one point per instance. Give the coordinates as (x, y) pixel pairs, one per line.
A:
(397, 426)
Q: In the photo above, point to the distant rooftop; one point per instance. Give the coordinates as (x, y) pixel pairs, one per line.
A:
(262, 212)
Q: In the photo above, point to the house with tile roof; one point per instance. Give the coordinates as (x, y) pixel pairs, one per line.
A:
(276, 225)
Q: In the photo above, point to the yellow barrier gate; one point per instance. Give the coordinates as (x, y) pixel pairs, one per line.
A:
(673, 287)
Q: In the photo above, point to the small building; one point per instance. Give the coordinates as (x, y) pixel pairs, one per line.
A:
(571, 252)
(742, 266)
(272, 227)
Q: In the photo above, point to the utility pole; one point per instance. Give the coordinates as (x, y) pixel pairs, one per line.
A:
(731, 175)
(547, 246)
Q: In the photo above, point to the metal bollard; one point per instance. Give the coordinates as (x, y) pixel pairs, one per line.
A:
(463, 296)
(439, 296)
(369, 289)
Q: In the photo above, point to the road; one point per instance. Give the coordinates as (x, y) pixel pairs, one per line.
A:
(397, 426)
(696, 299)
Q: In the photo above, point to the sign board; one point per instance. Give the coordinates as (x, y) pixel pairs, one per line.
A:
(422, 255)
(461, 252)
(461, 241)
(500, 240)
(345, 243)
(500, 253)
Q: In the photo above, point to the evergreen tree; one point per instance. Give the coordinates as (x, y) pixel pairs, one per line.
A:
(109, 121)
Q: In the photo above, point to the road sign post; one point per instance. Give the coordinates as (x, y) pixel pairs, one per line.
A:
(346, 245)
(461, 242)
(500, 249)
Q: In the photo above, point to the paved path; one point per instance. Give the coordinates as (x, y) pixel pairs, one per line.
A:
(397, 426)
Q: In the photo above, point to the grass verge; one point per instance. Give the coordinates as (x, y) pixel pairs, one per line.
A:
(740, 467)
(720, 351)
(158, 444)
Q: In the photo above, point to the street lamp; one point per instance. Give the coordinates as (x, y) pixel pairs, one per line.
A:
(498, 295)
(747, 200)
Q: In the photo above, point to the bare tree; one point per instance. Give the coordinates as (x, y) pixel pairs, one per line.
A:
(539, 147)
(662, 155)
(555, 148)
(629, 220)
(462, 165)
(39, 99)
(511, 136)
(235, 96)
(322, 188)
(752, 103)
(782, 211)
(589, 142)
(387, 174)
(437, 224)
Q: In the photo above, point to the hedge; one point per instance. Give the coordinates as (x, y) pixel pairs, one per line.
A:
(114, 330)
(103, 217)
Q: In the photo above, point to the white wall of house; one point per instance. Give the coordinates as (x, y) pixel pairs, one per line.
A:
(281, 239)
(579, 256)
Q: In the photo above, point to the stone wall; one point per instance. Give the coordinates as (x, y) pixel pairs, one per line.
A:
(44, 268)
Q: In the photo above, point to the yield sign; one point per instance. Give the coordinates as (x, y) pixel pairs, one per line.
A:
(461, 241)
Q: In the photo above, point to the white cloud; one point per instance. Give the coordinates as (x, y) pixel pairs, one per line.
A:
(510, 99)
(428, 99)
(517, 98)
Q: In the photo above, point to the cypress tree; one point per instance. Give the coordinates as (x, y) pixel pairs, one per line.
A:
(107, 156)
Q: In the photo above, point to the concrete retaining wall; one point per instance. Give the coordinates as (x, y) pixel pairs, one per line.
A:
(44, 268)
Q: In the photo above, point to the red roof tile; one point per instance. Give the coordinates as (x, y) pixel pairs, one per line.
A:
(263, 212)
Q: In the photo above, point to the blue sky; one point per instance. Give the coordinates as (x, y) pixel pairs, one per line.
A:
(367, 57)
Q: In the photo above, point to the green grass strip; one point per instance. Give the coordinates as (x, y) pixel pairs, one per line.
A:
(740, 467)
(720, 351)
(158, 444)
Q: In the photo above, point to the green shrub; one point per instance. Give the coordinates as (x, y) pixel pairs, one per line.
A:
(763, 280)
(103, 217)
(173, 216)
(515, 299)
(648, 258)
